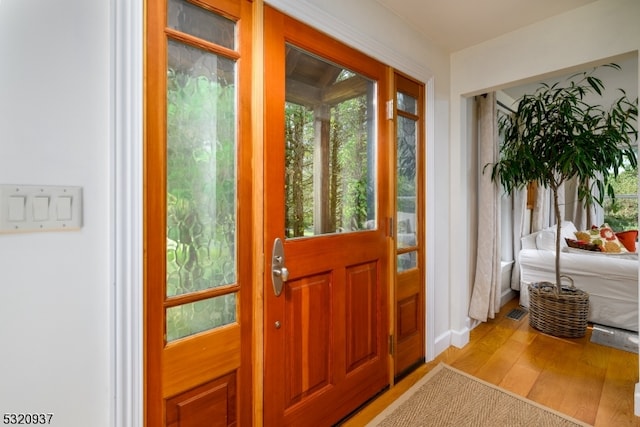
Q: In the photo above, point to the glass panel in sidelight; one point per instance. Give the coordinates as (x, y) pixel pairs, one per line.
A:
(407, 261)
(201, 170)
(199, 316)
(407, 225)
(407, 103)
(330, 138)
(196, 21)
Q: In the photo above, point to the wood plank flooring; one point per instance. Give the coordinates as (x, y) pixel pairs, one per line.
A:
(590, 382)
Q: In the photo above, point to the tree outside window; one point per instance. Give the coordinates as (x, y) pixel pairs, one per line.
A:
(621, 213)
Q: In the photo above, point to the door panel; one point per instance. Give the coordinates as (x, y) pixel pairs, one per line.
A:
(308, 337)
(212, 404)
(216, 351)
(326, 350)
(361, 298)
(409, 328)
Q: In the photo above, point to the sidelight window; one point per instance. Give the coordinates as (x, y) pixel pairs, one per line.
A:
(407, 183)
(201, 152)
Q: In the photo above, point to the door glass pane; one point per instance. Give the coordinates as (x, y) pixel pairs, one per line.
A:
(407, 187)
(191, 19)
(201, 170)
(189, 319)
(330, 147)
(407, 103)
(407, 261)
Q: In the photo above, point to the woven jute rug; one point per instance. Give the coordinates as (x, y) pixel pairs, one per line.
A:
(449, 397)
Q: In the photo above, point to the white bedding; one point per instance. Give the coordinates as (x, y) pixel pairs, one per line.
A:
(610, 281)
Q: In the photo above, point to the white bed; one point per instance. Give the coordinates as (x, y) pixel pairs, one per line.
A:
(611, 280)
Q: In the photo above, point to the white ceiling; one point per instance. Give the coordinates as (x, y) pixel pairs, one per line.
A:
(457, 24)
(626, 79)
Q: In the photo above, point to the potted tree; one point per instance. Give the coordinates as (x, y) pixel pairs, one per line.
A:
(552, 137)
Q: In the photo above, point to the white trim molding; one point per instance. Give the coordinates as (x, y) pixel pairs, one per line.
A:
(431, 350)
(127, 210)
(460, 338)
(454, 338)
(441, 343)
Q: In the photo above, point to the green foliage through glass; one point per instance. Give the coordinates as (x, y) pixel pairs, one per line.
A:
(201, 186)
(621, 212)
(329, 148)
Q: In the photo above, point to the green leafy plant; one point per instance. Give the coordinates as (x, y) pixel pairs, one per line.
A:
(555, 135)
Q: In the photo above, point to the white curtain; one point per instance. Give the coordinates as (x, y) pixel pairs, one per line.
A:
(571, 209)
(485, 297)
(575, 211)
(542, 215)
(520, 228)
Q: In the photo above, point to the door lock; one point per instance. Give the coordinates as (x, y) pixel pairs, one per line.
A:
(279, 273)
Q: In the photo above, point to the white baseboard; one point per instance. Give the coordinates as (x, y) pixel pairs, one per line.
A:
(460, 338)
(507, 293)
(507, 296)
(450, 338)
(441, 343)
(636, 401)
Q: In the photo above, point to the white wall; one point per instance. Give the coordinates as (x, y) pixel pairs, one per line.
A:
(55, 292)
(589, 35)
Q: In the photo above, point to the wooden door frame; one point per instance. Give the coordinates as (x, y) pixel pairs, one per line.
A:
(257, 122)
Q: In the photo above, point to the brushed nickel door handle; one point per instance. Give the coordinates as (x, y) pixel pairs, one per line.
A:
(279, 273)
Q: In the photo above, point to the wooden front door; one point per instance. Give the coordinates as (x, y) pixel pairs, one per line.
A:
(198, 288)
(326, 236)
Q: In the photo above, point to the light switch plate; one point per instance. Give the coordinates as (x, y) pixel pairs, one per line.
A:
(31, 208)
(17, 207)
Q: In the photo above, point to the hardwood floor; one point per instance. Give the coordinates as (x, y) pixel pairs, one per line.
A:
(590, 382)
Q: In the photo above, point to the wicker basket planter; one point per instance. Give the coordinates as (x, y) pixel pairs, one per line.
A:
(561, 314)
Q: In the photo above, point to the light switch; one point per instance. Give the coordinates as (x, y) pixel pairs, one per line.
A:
(36, 208)
(63, 208)
(40, 208)
(17, 208)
